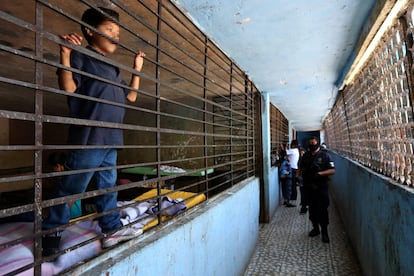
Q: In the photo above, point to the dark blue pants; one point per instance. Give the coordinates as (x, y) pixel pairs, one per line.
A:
(77, 183)
(318, 200)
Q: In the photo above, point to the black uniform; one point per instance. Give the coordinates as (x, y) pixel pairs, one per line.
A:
(316, 186)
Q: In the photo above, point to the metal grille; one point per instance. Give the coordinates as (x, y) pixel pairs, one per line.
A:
(279, 132)
(372, 121)
(195, 110)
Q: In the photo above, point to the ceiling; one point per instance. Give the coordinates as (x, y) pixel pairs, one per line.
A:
(296, 51)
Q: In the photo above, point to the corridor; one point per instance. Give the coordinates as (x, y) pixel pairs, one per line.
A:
(284, 247)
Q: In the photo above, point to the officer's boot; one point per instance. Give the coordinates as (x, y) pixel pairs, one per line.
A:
(325, 237)
(315, 231)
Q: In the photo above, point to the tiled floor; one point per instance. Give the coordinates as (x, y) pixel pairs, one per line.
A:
(284, 247)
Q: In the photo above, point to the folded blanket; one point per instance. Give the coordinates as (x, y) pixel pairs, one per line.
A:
(171, 169)
(141, 213)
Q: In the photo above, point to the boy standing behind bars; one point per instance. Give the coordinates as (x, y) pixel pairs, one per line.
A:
(105, 21)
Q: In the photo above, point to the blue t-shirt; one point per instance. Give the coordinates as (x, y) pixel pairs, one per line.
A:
(285, 170)
(91, 110)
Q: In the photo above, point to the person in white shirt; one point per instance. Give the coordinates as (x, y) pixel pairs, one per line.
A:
(293, 157)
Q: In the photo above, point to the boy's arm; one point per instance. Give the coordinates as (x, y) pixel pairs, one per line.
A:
(134, 84)
(65, 77)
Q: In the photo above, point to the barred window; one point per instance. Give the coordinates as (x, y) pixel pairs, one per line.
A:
(191, 130)
(279, 133)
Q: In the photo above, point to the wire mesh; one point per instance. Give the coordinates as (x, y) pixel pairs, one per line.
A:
(372, 120)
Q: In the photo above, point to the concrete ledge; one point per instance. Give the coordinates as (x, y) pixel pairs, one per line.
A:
(216, 237)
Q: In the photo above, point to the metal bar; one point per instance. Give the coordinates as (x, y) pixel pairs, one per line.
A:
(158, 102)
(37, 249)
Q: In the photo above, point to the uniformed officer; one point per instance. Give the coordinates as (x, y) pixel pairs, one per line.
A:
(316, 167)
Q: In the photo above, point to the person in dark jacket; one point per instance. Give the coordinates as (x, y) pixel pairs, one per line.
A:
(316, 167)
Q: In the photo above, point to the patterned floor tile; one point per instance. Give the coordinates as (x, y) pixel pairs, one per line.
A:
(284, 248)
